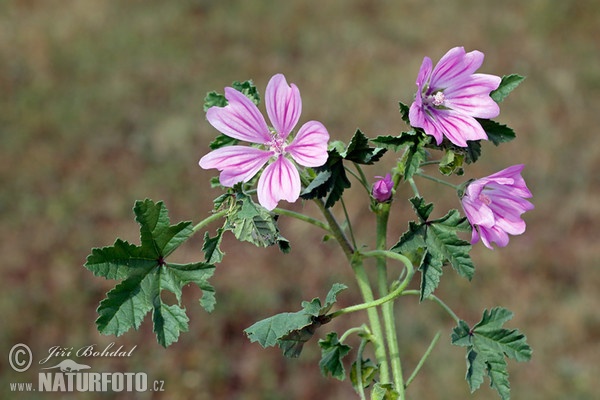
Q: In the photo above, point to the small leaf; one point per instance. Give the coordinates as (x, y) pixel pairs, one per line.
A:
(497, 133)
(248, 89)
(268, 331)
(384, 391)
(422, 209)
(360, 152)
(452, 163)
(332, 352)
(404, 111)
(252, 223)
(330, 182)
(331, 298)
(211, 247)
(507, 85)
(214, 99)
(222, 141)
(368, 373)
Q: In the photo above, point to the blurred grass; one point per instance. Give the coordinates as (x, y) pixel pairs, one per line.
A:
(101, 104)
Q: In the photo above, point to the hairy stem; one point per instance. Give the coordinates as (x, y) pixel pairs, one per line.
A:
(208, 220)
(423, 359)
(302, 217)
(382, 214)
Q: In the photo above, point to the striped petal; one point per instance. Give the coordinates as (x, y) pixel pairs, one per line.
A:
(236, 163)
(240, 119)
(279, 181)
(283, 104)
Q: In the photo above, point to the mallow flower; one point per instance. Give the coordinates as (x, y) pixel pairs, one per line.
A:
(382, 188)
(450, 97)
(494, 204)
(242, 120)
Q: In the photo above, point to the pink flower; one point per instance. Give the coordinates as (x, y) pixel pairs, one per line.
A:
(451, 96)
(493, 205)
(242, 120)
(382, 189)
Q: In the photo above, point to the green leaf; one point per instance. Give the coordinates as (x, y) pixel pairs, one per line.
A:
(431, 243)
(211, 247)
(442, 241)
(330, 182)
(145, 273)
(507, 85)
(360, 152)
(431, 272)
(332, 352)
(384, 391)
(422, 209)
(368, 373)
(291, 330)
(331, 298)
(252, 223)
(168, 322)
(404, 111)
(452, 163)
(222, 141)
(488, 343)
(496, 132)
(248, 89)
(214, 99)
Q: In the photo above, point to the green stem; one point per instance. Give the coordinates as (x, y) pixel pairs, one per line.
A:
(382, 214)
(356, 329)
(413, 185)
(373, 315)
(336, 230)
(392, 295)
(348, 222)
(360, 388)
(437, 180)
(302, 217)
(360, 177)
(433, 297)
(422, 360)
(208, 220)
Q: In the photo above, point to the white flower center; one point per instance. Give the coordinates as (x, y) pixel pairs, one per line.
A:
(437, 99)
(277, 145)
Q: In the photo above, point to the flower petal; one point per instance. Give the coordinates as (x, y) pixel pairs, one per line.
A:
(309, 147)
(240, 119)
(419, 118)
(454, 65)
(283, 104)
(472, 96)
(237, 163)
(458, 128)
(279, 181)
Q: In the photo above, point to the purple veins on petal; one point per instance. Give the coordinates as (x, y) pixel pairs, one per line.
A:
(450, 96)
(237, 163)
(240, 119)
(279, 181)
(494, 204)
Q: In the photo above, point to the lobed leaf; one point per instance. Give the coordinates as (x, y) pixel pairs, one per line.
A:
(145, 273)
(291, 330)
(332, 352)
(488, 343)
(496, 132)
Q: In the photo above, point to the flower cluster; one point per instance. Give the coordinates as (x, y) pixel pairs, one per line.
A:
(449, 100)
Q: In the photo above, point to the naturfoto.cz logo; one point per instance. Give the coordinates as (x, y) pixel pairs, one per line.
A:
(71, 376)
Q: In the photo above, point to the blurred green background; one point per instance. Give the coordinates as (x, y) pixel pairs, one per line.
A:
(101, 104)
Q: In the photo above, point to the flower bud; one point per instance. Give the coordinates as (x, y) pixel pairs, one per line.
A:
(382, 189)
